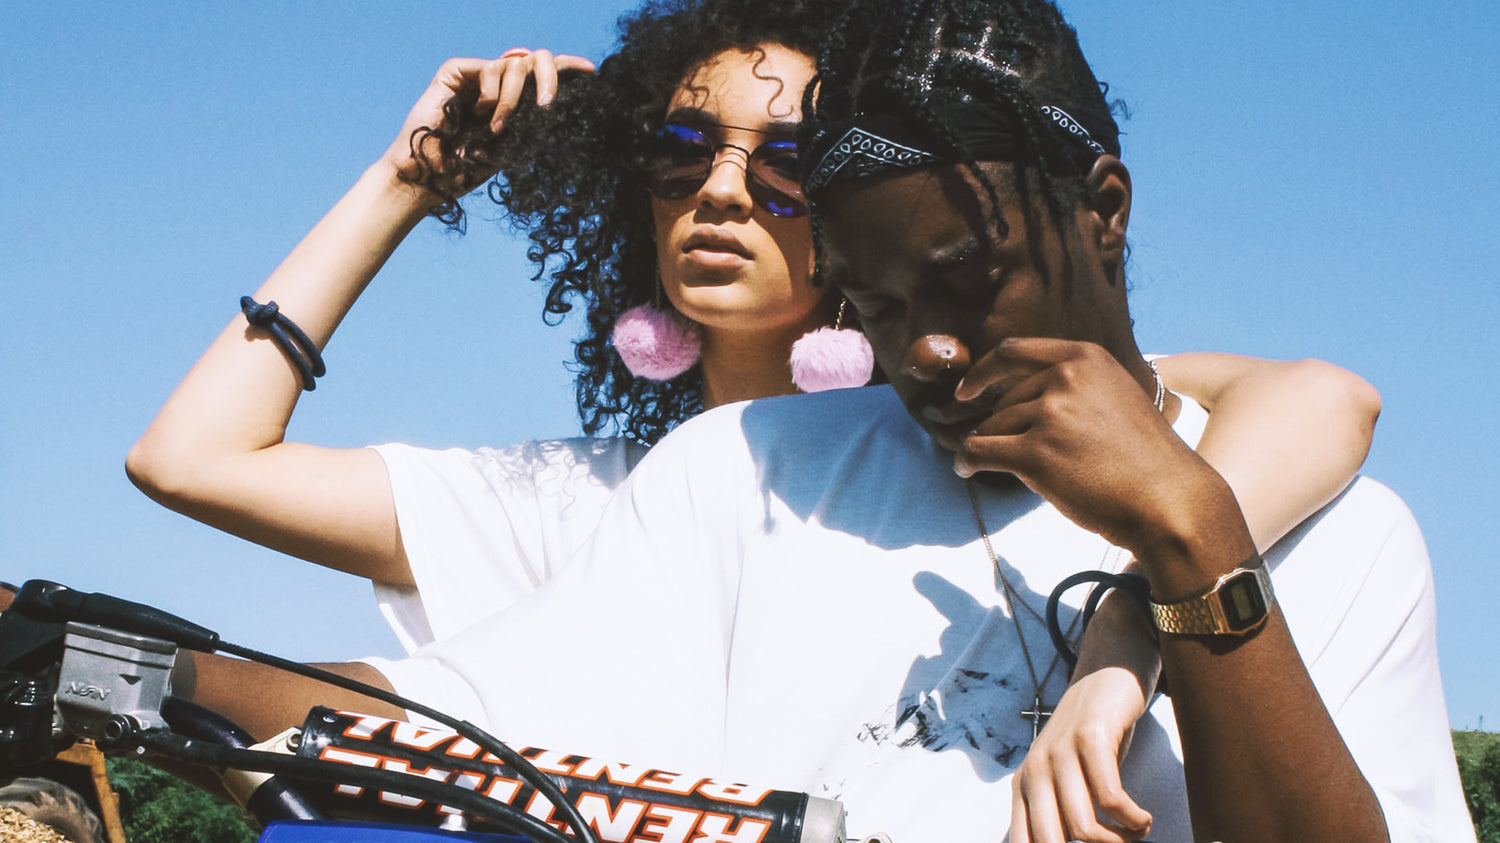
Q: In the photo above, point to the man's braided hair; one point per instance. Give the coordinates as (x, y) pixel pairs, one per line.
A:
(567, 178)
(914, 57)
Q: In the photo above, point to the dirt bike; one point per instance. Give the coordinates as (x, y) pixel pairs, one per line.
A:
(75, 665)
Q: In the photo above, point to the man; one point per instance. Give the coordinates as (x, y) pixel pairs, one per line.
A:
(993, 293)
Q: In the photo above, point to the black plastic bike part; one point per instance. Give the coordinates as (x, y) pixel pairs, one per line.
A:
(275, 799)
(278, 799)
(50, 601)
(25, 722)
(163, 744)
(191, 720)
(29, 644)
(30, 658)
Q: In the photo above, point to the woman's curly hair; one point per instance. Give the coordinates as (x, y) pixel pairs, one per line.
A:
(567, 177)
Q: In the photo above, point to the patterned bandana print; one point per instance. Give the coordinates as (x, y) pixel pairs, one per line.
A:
(870, 143)
(862, 153)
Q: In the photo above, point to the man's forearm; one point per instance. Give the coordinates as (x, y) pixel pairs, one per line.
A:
(1262, 757)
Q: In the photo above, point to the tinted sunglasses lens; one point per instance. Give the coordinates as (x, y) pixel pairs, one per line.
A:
(677, 162)
(776, 179)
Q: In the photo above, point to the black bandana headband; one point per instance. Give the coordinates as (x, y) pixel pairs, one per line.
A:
(870, 143)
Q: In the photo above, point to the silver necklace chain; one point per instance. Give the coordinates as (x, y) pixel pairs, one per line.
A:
(1038, 713)
(1161, 389)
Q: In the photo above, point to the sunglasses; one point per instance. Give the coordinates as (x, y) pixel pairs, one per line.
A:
(678, 160)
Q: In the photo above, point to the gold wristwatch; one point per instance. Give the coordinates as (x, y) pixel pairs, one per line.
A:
(1238, 603)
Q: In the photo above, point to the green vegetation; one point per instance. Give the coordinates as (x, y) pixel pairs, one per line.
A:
(156, 807)
(1479, 766)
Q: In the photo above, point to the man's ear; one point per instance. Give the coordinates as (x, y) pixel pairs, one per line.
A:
(1106, 203)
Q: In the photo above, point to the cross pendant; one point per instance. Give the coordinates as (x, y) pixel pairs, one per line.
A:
(1038, 715)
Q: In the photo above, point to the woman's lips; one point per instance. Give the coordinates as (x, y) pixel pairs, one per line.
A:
(716, 257)
(715, 241)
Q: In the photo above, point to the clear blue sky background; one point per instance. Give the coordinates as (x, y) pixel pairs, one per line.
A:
(1312, 179)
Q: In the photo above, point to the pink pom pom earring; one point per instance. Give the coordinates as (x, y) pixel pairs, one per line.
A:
(832, 358)
(656, 343)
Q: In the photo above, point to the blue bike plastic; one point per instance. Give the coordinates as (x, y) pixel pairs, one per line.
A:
(329, 831)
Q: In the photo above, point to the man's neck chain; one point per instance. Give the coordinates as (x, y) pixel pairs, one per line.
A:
(1039, 712)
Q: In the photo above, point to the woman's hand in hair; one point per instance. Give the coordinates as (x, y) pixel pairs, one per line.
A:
(487, 93)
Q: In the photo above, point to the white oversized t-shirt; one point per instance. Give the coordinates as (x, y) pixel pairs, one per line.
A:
(793, 592)
(480, 528)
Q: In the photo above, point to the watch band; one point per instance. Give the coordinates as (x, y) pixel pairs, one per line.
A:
(1237, 603)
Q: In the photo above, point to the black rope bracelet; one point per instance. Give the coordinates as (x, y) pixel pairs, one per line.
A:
(292, 340)
(1134, 585)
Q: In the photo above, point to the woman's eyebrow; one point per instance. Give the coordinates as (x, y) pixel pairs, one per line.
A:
(689, 115)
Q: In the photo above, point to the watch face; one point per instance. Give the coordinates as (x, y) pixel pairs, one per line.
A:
(1244, 604)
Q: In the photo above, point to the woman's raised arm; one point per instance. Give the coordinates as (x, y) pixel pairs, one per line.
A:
(216, 451)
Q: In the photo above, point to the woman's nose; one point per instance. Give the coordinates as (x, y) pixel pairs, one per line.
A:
(727, 185)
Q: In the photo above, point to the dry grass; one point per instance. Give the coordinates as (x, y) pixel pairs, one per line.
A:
(15, 827)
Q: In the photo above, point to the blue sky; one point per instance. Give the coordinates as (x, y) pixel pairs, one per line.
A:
(1312, 179)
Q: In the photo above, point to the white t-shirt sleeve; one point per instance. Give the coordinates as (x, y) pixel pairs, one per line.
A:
(1362, 610)
(481, 528)
(622, 654)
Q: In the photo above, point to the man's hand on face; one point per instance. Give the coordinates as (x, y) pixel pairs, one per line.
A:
(1070, 422)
